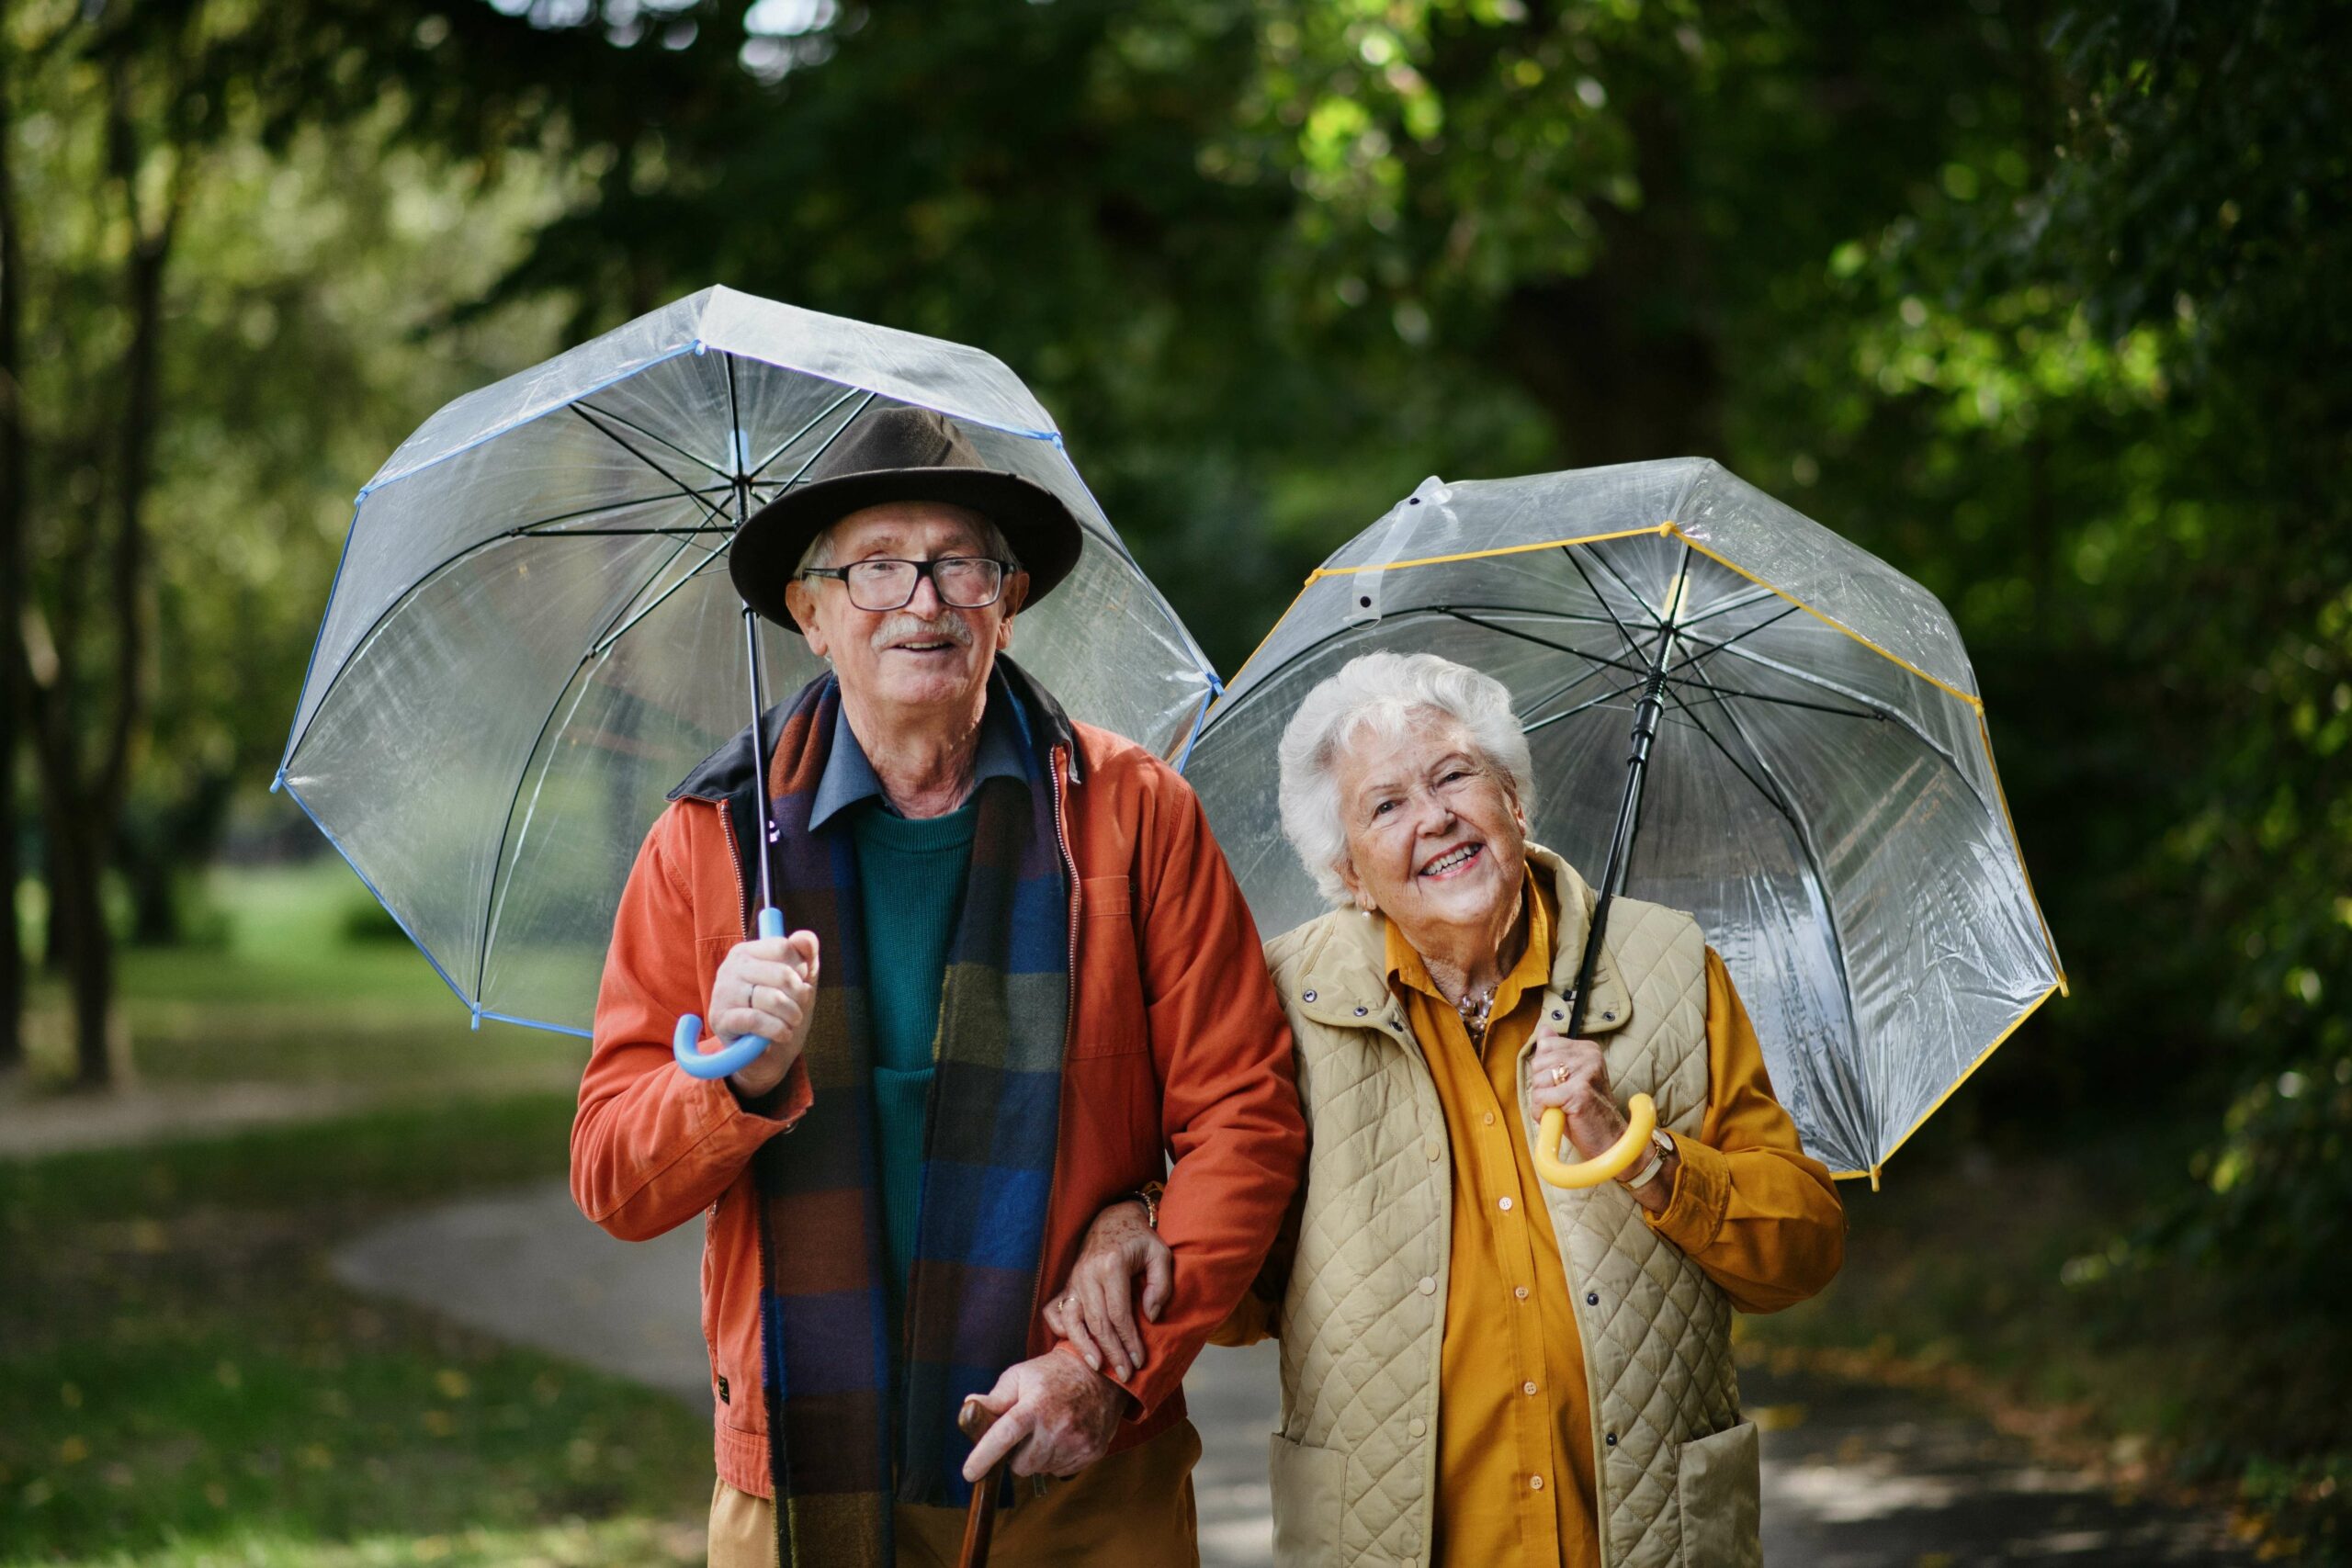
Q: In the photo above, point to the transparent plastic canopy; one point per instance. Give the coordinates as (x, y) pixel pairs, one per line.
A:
(532, 636)
(1821, 793)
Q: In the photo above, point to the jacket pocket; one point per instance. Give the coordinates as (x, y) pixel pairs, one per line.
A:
(1716, 1481)
(1111, 1018)
(1308, 1484)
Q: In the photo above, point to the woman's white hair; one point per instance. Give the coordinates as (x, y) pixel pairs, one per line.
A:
(1381, 693)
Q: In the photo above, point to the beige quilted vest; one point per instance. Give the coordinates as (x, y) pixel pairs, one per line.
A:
(1354, 1466)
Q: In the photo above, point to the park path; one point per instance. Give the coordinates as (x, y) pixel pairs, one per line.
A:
(1854, 1476)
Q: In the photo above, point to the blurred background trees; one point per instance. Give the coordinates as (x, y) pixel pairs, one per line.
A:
(2044, 302)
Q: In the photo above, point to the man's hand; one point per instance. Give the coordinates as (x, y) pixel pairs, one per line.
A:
(1095, 1310)
(1053, 1415)
(766, 987)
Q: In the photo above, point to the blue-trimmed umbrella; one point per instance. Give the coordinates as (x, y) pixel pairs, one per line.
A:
(1731, 710)
(532, 636)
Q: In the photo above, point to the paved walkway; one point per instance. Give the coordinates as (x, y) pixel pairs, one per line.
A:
(1854, 1477)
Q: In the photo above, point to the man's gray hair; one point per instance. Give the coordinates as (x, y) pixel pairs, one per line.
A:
(820, 548)
(1381, 693)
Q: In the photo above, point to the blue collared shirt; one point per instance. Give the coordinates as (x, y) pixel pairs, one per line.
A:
(849, 777)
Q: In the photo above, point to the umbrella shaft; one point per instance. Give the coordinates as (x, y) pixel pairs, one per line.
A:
(759, 758)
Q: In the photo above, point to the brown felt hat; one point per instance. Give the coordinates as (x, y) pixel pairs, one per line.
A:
(899, 454)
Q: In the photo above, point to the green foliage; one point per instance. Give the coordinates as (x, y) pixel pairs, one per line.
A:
(2045, 302)
(186, 1385)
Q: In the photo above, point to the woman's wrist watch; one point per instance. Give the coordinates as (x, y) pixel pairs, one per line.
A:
(1661, 1149)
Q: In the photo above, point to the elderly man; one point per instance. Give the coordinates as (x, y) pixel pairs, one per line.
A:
(1480, 1369)
(1020, 979)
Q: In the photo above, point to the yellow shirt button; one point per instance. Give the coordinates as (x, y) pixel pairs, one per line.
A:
(1490, 1118)
(1527, 1388)
(1520, 1293)
(1536, 1482)
(1506, 1205)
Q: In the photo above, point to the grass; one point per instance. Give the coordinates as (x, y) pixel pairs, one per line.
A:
(187, 1384)
(182, 1380)
(301, 980)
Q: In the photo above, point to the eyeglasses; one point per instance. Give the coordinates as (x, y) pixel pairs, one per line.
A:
(962, 583)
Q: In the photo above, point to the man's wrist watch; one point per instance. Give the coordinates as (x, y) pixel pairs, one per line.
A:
(1148, 1195)
(1661, 1149)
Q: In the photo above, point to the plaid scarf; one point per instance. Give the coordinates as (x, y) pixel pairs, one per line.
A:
(988, 1164)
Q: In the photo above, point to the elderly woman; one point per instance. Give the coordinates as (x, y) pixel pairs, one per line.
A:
(1478, 1368)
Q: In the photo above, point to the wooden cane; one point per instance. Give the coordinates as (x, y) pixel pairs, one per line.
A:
(979, 1518)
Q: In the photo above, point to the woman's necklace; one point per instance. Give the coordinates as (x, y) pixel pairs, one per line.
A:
(1474, 1012)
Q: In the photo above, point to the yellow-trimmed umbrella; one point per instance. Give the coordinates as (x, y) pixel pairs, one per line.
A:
(1732, 710)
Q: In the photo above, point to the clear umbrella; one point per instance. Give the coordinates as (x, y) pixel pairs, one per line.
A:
(532, 636)
(1819, 786)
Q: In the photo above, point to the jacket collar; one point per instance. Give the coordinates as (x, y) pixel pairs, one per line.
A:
(727, 771)
(1345, 982)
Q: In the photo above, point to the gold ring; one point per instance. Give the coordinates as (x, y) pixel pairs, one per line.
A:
(1559, 1076)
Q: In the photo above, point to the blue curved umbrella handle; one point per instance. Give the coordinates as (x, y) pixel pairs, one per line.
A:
(687, 1044)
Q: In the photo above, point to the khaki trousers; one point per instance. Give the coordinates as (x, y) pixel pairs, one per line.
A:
(1130, 1510)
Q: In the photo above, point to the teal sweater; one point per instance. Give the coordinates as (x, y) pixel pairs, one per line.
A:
(910, 891)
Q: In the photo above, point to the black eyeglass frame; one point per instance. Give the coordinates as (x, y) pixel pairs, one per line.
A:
(1004, 569)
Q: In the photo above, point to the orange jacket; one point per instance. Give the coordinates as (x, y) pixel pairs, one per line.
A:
(1177, 1051)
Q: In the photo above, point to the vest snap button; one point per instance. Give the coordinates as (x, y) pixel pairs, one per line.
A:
(1608, 1017)
(1361, 1011)
(1592, 1298)
(1612, 1440)
(1427, 1286)
(1307, 996)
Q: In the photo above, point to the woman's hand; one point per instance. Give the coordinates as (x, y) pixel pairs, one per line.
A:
(1095, 1310)
(1574, 1076)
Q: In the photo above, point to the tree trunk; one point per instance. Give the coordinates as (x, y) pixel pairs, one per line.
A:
(1625, 357)
(77, 905)
(12, 591)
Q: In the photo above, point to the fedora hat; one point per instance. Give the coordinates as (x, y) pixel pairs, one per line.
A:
(899, 454)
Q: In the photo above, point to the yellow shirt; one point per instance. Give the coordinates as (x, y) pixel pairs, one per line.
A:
(1515, 1470)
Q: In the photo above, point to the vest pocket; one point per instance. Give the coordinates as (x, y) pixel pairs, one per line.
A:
(1715, 1486)
(1309, 1485)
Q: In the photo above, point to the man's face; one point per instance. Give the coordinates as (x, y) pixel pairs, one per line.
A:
(926, 657)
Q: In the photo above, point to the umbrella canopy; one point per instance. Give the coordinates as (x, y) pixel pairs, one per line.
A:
(532, 636)
(1820, 792)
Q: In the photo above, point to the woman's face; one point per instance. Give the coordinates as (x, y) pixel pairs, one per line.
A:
(1435, 836)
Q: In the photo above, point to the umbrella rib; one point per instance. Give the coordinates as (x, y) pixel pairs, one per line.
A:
(1562, 690)
(1779, 802)
(1739, 602)
(1541, 642)
(1632, 644)
(1631, 592)
(684, 489)
(1717, 694)
(605, 641)
(601, 646)
(822, 416)
(1887, 711)
(1710, 646)
(1604, 698)
(628, 424)
(1821, 892)
(548, 525)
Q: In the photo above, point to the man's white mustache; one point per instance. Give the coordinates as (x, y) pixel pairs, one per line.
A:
(902, 627)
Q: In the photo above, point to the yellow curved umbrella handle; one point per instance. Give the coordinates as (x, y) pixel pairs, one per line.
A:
(1641, 1121)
